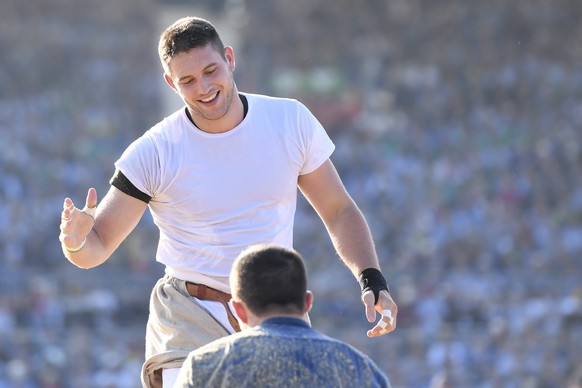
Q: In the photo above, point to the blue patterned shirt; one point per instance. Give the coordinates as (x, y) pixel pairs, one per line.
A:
(281, 352)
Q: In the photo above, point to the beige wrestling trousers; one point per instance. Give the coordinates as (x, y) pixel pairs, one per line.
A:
(177, 325)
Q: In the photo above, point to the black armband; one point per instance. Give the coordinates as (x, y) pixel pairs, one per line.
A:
(120, 181)
(372, 280)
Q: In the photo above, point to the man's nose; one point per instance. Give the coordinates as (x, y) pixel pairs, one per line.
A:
(204, 87)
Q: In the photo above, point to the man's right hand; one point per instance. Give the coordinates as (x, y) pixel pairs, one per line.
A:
(76, 224)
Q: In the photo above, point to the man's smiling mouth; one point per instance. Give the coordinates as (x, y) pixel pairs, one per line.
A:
(210, 99)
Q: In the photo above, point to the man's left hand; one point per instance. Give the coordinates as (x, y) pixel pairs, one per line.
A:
(386, 307)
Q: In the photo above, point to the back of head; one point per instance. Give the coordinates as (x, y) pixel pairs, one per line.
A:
(184, 35)
(270, 279)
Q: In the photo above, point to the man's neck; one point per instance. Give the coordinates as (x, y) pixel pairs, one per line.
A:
(236, 115)
(257, 320)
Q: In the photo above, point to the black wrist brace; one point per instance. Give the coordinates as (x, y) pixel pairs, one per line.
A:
(372, 279)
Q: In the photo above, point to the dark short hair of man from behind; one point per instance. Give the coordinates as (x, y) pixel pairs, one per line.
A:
(270, 279)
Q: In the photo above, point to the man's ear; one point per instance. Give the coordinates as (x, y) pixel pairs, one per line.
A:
(241, 311)
(170, 81)
(308, 301)
(229, 55)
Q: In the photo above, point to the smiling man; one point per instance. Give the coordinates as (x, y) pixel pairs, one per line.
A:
(218, 175)
(203, 77)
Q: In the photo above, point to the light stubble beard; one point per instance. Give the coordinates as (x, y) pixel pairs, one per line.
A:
(228, 102)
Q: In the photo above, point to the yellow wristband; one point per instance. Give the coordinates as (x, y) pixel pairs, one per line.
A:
(78, 248)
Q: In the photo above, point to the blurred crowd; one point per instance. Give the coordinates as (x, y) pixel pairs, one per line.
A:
(458, 128)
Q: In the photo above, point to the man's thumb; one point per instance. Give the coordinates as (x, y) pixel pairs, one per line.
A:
(368, 300)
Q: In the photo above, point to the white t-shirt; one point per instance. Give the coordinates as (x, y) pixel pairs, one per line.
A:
(213, 195)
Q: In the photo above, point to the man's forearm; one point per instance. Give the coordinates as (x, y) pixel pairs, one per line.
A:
(352, 239)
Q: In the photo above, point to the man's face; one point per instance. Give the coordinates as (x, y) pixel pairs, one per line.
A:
(204, 81)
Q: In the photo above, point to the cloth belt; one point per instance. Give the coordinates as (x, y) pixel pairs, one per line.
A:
(204, 292)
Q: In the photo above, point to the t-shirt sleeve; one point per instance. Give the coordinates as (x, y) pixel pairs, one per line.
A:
(317, 143)
(139, 163)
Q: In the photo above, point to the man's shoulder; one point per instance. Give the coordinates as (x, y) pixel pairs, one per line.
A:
(223, 343)
(282, 349)
(271, 102)
(280, 336)
(268, 98)
(245, 340)
(171, 129)
(178, 118)
(280, 108)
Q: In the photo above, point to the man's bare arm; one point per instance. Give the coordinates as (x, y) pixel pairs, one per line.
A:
(351, 237)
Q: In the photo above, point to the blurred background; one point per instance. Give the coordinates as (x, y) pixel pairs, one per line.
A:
(458, 131)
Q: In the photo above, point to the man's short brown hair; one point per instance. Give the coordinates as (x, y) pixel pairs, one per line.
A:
(184, 35)
(270, 278)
